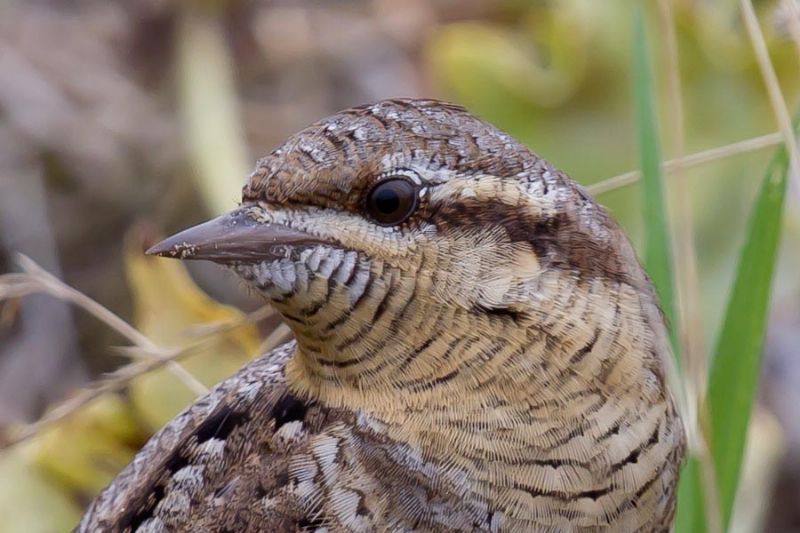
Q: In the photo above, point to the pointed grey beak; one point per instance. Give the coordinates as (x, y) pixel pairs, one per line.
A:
(232, 238)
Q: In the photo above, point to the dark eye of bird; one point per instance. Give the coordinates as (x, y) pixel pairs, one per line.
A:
(392, 201)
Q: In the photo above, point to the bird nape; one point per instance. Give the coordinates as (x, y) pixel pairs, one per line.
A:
(477, 348)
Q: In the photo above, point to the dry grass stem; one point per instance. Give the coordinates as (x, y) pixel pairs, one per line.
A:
(689, 161)
(121, 377)
(35, 279)
(791, 9)
(776, 98)
(688, 292)
(279, 334)
(111, 383)
(708, 479)
(148, 355)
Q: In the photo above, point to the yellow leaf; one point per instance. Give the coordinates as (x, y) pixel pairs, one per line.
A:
(167, 307)
(83, 452)
(29, 503)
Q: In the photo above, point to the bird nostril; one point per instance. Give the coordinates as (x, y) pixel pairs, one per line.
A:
(281, 251)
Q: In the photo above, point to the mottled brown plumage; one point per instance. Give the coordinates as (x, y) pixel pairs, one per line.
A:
(492, 360)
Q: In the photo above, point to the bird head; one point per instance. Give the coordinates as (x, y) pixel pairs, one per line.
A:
(407, 243)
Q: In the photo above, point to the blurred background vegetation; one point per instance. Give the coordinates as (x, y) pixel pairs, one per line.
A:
(124, 121)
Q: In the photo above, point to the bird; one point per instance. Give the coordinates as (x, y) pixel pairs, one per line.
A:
(476, 348)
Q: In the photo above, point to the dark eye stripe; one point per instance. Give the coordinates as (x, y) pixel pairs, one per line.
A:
(392, 201)
(558, 240)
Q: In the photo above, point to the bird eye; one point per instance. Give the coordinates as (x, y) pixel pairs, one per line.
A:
(392, 201)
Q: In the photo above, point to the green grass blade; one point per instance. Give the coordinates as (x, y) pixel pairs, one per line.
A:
(658, 251)
(691, 516)
(658, 254)
(733, 379)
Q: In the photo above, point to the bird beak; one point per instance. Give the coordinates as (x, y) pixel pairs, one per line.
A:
(233, 238)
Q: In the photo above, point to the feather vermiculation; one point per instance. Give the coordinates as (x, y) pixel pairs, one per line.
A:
(477, 348)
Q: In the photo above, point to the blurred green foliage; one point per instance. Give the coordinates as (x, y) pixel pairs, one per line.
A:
(735, 367)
